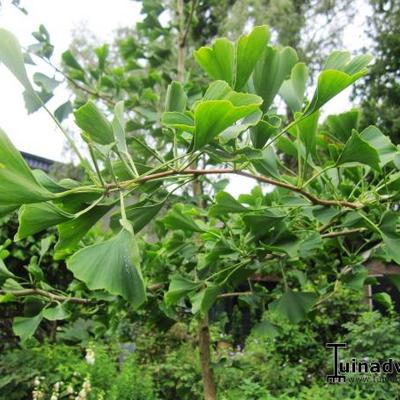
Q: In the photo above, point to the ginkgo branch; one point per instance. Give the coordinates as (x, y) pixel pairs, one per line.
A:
(43, 293)
(196, 172)
(342, 233)
(234, 294)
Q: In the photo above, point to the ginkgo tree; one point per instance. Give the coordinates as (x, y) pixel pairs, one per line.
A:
(323, 189)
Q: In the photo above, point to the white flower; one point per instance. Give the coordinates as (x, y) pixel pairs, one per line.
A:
(81, 395)
(70, 389)
(37, 395)
(56, 386)
(54, 397)
(90, 356)
(86, 385)
(36, 382)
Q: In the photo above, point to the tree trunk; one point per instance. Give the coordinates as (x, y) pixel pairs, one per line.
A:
(210, 392)
(181, 42)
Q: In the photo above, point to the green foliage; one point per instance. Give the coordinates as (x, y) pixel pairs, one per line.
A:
(90, 119)
(18, 184)
(26, 327)
(11, 56)
(218, 61)
(233, 62)
(379, 91)
(331, 200)
(34, 218)
(132, 383)
(294, 305)
(271, 70)
(292, 90)
(113, 265)
(340, 71)
(46, 367)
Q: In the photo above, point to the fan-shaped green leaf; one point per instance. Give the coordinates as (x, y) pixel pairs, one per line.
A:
(113, 265)
(11, 56)
(271, 70)
(71, 232)
(234, 131)
(381, 143)
(71, 61)
(268, 164)
(26, 327)
(179, 287)
(17, 183)
(341, 125)
(176, 98)
(357, 150)
(260, 224)
(203, 300)
(34, 218)
(266, 128)
(178, 120)
(293, 306)
(62, 112)
(266, 329)
(220, 108)
(249, 49)
(218, 60)
(306, 128)
(177, 218)
(384, 299)
(4, 272)
(339, 73)
(293, 89)
(225, 204)
(390, 235)
(91, 120)
(139, 214)
(56, 313)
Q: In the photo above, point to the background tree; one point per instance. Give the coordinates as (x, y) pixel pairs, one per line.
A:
(380, 90)
(312, 27)
(334, 203)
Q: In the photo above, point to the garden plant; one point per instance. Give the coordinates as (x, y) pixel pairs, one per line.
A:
(325, 201)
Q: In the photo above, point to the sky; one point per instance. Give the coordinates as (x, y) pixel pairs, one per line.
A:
(36, 133)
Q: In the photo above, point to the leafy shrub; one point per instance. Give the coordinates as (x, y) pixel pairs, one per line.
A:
(178, 375)
(375, 337)
(47, 366)
(132, 383)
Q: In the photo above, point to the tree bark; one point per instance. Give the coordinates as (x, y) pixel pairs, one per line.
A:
(181, 42)
(210, 392)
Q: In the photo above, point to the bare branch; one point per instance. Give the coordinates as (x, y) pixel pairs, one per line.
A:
(188, 23)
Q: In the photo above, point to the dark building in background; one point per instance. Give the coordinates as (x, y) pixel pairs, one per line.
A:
(37, 162)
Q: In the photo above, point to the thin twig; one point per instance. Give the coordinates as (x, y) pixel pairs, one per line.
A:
(43, 293)
(234, 294)
(197, 172)
(76, 84)
(188, 23)
(342, 233)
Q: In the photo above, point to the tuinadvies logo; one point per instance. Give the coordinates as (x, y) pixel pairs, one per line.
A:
(388, 367)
